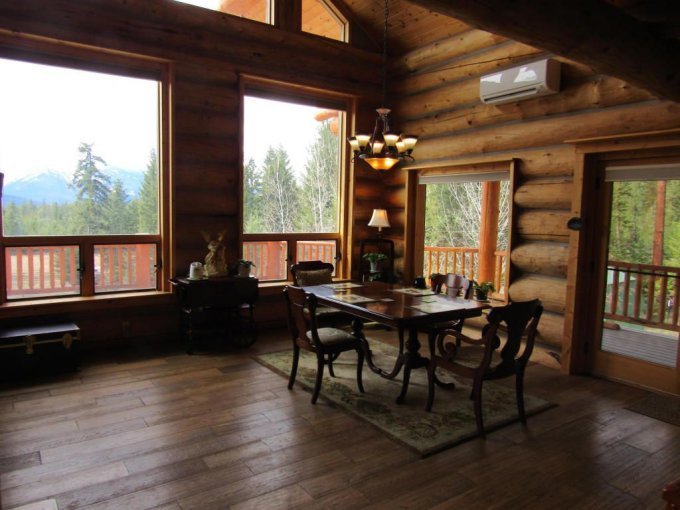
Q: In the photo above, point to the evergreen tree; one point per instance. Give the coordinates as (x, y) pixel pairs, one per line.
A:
(147, 204)
(252, 199)
(319, 197)
(279, 192)
(11, 219)
(119, 215)
(93, 187)
(632, 222)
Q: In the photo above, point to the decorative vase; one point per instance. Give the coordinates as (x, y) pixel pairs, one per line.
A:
(480, 295)
(375, 266)
(243, 270)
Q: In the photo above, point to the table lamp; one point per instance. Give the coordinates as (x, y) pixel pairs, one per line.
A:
(379, 219)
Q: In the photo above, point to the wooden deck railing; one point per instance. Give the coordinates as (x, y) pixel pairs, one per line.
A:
(41, 271)
(643, 294)
(463, 261)
(270, 257)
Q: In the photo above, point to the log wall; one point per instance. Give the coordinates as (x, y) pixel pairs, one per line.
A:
(207, 51)
(435, 95)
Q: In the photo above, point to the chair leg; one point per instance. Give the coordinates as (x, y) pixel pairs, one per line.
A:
(431, 367)
(519, 389)
(293, 370)
(330, 365)
(319, 377)
(477, 394)
(360, 368)
(440, 344)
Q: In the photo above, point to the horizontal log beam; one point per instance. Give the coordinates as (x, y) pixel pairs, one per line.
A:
(637, 117)
(546, 195)
(592, 32)
(551, 291)
(547, 259)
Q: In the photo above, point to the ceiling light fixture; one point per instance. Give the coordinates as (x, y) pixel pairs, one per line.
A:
(384, 148)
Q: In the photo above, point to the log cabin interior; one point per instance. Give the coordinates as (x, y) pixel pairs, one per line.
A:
(142, 424)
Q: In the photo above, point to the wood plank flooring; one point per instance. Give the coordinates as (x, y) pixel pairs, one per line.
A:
(163, 430)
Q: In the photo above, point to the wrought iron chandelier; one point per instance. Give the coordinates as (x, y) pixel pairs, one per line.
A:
(384, 148)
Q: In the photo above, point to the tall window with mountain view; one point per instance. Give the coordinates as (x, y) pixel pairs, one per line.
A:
(81, 179)
(291, 184)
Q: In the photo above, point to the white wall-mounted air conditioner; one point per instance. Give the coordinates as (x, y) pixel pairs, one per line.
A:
(528, 80)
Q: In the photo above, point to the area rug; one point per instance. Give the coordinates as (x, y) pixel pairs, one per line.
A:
(659, 407)
(451, 421)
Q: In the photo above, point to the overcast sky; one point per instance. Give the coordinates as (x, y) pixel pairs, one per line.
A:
(47, 111)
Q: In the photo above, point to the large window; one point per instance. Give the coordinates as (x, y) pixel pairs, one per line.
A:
(257, 10)
(79, 151)
(322, 18)
(292, 180)
(466, 226)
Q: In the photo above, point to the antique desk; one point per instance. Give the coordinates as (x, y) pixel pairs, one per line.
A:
(216, 305)
(399, 307)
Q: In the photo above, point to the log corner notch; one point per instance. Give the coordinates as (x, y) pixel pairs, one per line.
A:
(588, 31)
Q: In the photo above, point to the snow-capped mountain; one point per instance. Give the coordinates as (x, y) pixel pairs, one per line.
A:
(53, 187)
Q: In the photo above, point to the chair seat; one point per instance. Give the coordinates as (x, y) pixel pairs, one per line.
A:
(333, 337)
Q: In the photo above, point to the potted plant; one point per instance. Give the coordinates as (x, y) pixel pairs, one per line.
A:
(374, 259)
(243, 267)
(482, 290)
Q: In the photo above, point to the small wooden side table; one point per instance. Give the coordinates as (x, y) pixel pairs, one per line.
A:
(215, 305)
(379, 245)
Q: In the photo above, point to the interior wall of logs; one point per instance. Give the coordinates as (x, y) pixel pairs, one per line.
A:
(433, 92)
(435, 95)
(208, 50)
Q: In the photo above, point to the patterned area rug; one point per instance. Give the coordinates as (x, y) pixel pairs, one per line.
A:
(451, 421)
(658, 407)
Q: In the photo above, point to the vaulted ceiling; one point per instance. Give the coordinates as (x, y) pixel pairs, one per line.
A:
(636, 40)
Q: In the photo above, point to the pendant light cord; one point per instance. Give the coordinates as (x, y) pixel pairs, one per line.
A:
(384, 56)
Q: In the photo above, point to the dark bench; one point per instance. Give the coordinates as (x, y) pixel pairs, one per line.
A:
(43, 347)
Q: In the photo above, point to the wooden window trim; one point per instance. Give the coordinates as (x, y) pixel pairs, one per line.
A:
(581, 304)
(306, 93)
(42, 50)
(415, 207)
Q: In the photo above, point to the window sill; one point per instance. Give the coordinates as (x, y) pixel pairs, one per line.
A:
(82, 304)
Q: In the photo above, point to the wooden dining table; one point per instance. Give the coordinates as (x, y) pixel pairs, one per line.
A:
(405, 309)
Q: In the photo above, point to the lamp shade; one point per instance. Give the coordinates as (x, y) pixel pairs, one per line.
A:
(379, 219)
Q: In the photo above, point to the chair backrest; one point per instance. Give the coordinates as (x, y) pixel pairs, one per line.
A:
(437, 281)
(458, 285)
(520, 318)
(301, 315)
(312, 272)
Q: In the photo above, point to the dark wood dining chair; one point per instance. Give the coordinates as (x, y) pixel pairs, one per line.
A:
(326, 343)
(316, 272)
(456, 286)
(312, 272)
(479, 359)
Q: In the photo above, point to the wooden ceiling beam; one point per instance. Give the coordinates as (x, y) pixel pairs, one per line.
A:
(588, 31)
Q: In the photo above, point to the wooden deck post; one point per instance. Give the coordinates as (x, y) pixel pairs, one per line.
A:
(488, 233)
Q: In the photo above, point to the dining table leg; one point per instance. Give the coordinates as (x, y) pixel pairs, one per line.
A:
(412, 359)
(357, 329)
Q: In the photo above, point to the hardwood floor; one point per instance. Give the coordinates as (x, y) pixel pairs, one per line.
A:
(217, 430)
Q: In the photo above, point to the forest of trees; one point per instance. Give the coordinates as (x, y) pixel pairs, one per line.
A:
(275, 202)
(633, 219)
(101, 206)
(453, 212)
